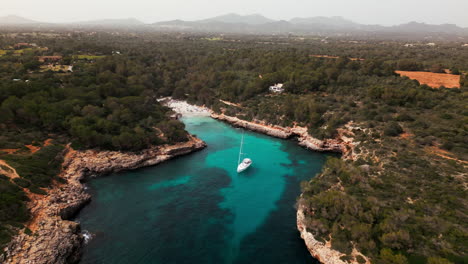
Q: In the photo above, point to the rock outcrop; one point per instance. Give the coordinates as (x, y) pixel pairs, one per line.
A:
(324, 252)
(274, 131)
(341, 144)
(317, 249)
(57, 239)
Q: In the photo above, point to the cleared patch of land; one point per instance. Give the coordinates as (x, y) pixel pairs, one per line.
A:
(88, 57)
(434, 80)
(324, 56)
(334, 57)
(56, 68)
(214, 39)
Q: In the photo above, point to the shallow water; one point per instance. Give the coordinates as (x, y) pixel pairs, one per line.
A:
(197, 209)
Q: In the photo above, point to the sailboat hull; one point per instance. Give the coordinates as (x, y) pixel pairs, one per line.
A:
(244, 165)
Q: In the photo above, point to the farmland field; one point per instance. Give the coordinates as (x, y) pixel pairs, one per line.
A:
(434, 80)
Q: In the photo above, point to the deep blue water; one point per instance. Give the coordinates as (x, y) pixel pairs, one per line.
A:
(197, 209)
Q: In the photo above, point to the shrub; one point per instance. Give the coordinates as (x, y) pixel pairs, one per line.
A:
(22, 182)
(27, 231)
(360, 259)
(393, 129)
(438, 260)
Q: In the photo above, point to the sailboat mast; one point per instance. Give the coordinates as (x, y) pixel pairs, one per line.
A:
(240, 151)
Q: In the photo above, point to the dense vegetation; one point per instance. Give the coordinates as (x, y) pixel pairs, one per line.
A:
(402, 201)
(105, 103)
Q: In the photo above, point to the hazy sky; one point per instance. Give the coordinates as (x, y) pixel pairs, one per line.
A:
(385, 12)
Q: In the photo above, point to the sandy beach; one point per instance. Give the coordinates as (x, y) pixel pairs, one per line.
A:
(185, 109)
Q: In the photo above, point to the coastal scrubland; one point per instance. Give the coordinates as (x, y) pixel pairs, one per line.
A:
(401, 200)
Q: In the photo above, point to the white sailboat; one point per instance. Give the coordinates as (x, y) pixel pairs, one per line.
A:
(245, 162)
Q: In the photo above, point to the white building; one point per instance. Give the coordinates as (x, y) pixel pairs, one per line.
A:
(277, 88)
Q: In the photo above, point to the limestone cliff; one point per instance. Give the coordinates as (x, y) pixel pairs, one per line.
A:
(57, 239)
(324, 252)
(341, 144)
(319, 250)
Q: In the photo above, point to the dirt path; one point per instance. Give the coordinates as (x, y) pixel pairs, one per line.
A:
(406, 135)
(444, 154)
(48, 142)
(36, 206)
(7, 170)
(37, 201)
(9, 151)
(32, 148)
(229, 103)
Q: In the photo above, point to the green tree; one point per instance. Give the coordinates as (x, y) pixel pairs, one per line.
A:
(438, 260)
(388, 257)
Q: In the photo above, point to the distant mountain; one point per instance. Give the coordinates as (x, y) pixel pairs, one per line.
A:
(112, 22)
(258, 24)
(255, 19)
(15, 20)
(427, 28)
(331, 21)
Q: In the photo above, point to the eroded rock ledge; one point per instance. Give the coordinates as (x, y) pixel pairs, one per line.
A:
(317, 249)
(323, 251)
(342, 144)
(57, 239)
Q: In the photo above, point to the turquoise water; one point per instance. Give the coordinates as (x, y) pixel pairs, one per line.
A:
(197, 209)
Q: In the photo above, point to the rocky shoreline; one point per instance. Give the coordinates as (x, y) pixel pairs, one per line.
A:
(55, 237)
(321, 251)
(343, 144)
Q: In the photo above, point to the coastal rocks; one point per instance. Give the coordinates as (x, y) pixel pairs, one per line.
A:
(274, 131)
(54, 242)
(341, 144)
(323, 252)
(55, 239)
(319, 250)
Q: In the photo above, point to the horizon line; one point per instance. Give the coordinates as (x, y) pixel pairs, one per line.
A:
(225, 14)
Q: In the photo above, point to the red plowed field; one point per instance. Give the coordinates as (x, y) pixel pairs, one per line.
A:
(434, 80)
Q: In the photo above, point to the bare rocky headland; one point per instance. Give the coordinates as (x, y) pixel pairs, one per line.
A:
(55, 237)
